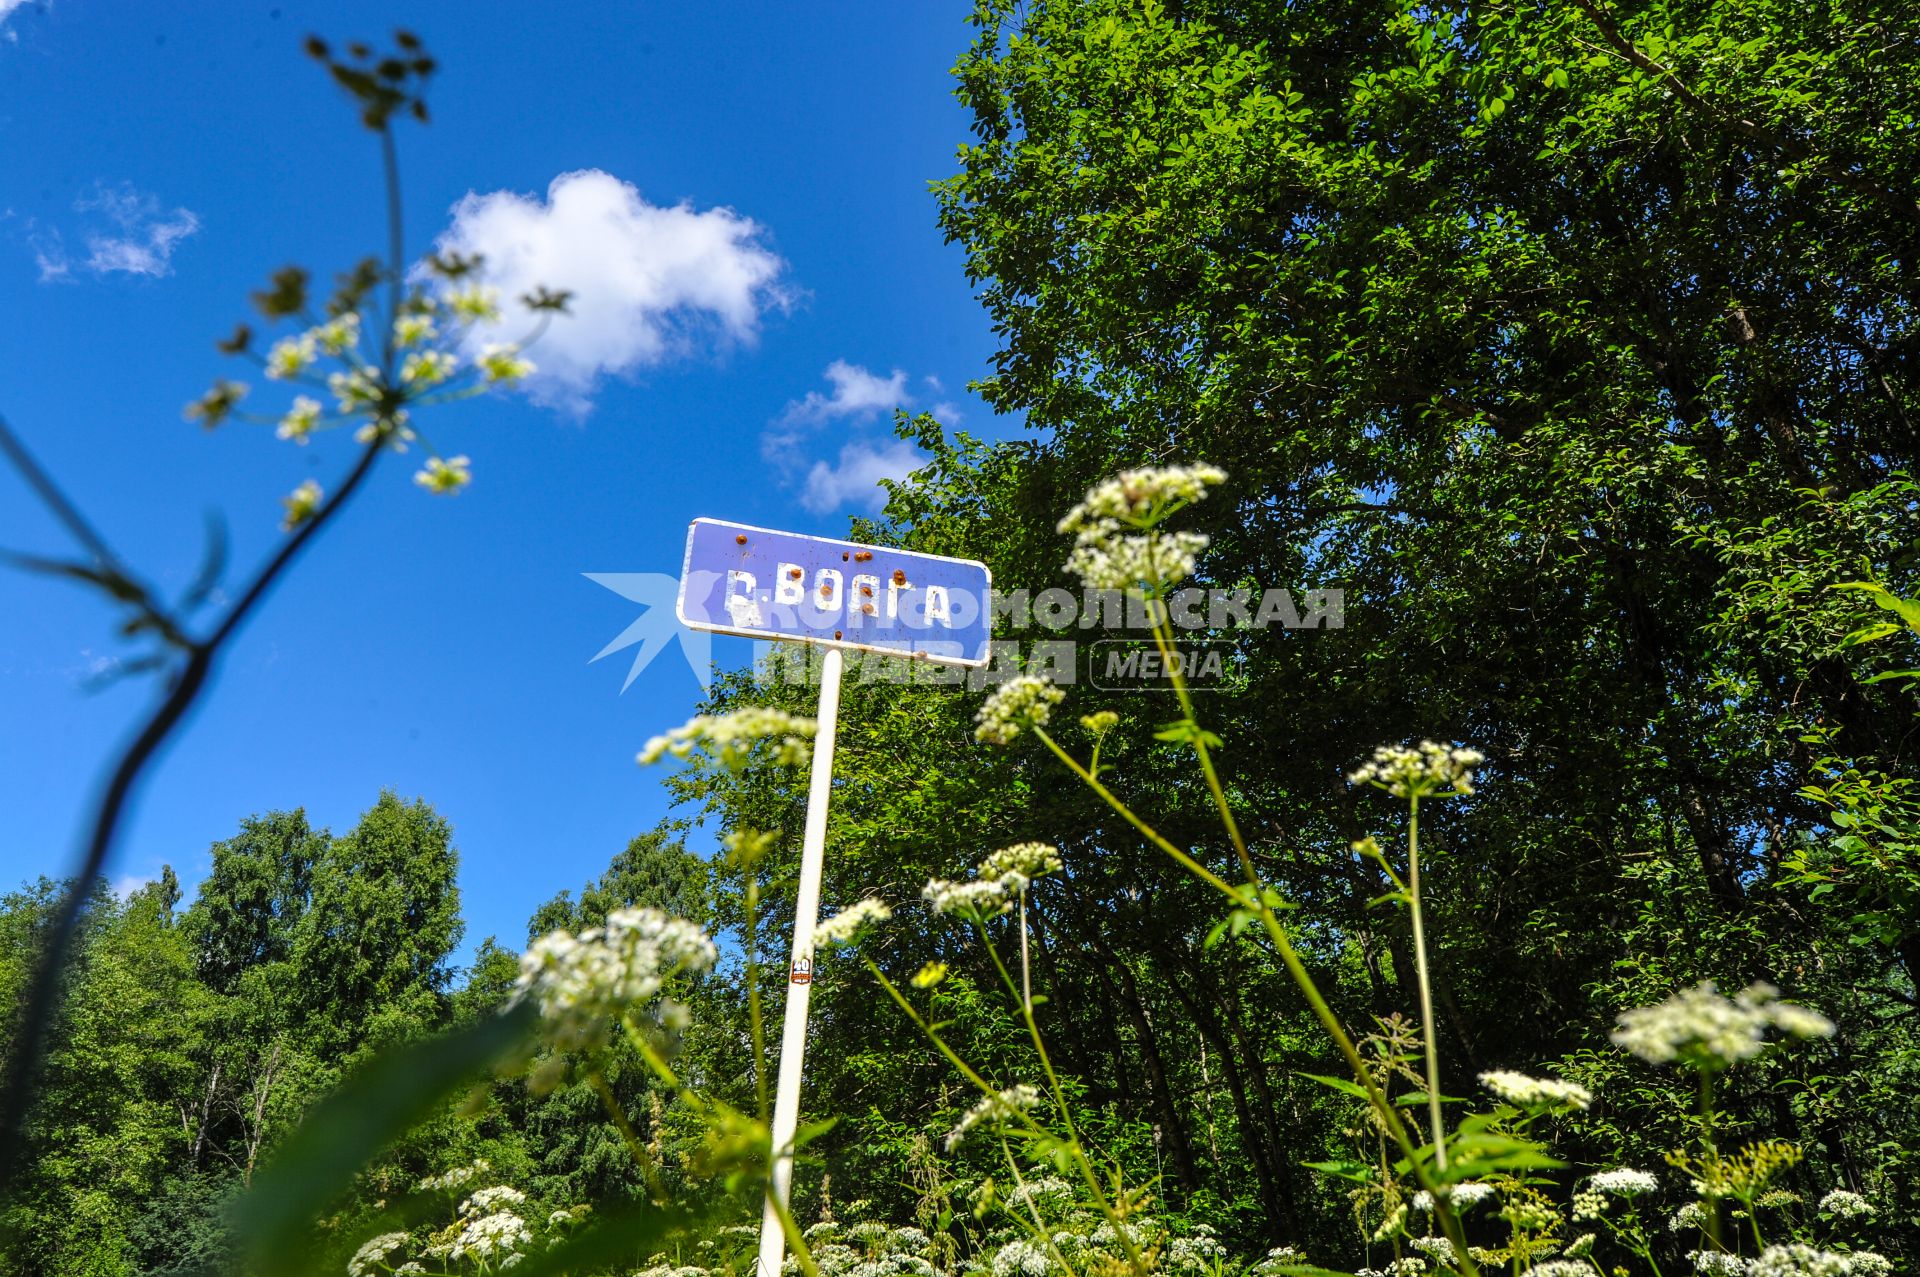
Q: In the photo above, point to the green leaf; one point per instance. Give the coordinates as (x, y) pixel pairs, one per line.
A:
(1358, 1172)
(1339, 1084)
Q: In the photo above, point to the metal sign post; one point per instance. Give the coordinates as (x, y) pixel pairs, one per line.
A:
(842, 596)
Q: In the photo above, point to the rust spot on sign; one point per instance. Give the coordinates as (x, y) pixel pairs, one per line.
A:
(863, 556)
(899, 576)
(741, 539)
(795, 573)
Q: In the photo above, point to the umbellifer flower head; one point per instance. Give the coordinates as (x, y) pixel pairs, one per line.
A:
(1701, 1028)
(301, 504)
(580, 982)
(1420, 771)
(300, 419)
(1017, 866)
(1536, 1092)
(730, 737)
(1625, 1182)
(1796, 1259)
(994, 1111)
(445, 477)
(375, 1252)
(1846, 1204)
(845, 927)
(1142, 498)
(1018, 703)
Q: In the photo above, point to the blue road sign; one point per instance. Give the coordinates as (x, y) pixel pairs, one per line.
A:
(760, 583)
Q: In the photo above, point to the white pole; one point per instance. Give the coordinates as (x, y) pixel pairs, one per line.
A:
(806, 912)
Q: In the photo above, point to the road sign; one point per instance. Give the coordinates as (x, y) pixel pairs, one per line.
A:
(739, 579)
(840, 595)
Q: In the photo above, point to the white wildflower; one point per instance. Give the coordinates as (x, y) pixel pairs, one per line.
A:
(355, 389)
(1143, 497)
(428, 367)
(411, 330)
(487, 1199)
(1699, 1027)
(448, 476)
(500, 1234)
(1581, 1246)
(1845, 1204)
(1796, 1259)
(411, 1268)
(1588, 1204)
(845, 927)
(475, 304)
(300, 419)
(1105, 557)
(1017, 866)
(976, 899)
(338, 335)
(1439, 1247)
(456, 1177)
(393, 431)
(375, 1252)
(1423, 770)
(1020, 1259)
(1536, 1092)
(730, 737)
(1017, 704)
(994, 1110)
(1561, 1268)
(501, 362)
(301, 504)
(1468, 1194)
(1717, 1263)
(290, 356)
(581, 981)
(1692, 1215)
(1868, 1263)
(1625, 1182)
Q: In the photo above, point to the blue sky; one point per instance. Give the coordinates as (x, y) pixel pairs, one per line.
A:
(735, 358)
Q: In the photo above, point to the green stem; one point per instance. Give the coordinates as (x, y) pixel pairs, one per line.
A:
(1420, 966)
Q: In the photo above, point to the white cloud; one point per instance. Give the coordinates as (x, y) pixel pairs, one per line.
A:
(126, 885)
(125, 232)
(856, 479)
(7, 9)
(856, 393)
(650, 282)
